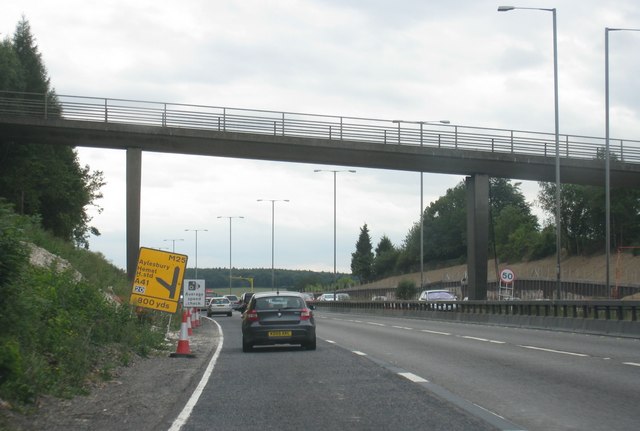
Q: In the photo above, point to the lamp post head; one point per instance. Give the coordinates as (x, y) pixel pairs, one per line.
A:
(505, 8)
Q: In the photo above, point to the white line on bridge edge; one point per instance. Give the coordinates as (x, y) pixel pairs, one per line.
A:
(413, 378)
(555, 351)
(188, 408)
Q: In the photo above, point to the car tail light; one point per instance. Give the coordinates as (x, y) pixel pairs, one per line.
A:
(252, 316)
(305, 314)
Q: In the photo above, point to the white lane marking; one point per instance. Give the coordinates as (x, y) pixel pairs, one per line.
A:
(473, 338)
(435, 332)
(359, 353)
(183, 417)
(413, 378)
(486, 340)
(376, 324)
(562, 352)
(633, 364)
(329, 341)
(403, 327)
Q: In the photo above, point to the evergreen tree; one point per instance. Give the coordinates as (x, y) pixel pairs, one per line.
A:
(362, 258)
(42, 179)
(384, 263)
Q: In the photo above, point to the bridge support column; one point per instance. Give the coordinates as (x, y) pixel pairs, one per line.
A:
(477, 235)
(134, 184)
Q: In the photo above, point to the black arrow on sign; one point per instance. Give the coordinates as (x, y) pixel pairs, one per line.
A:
(174, 283)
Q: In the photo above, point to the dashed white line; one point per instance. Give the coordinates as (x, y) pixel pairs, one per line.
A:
(562, 352)
(486, 340)
(330, 341)
(414, 378)
(468, 337)
(376, 324)
(435, 332)
(359, 353)
(633, 364)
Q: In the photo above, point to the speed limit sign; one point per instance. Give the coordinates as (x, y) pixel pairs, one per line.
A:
(507, 275)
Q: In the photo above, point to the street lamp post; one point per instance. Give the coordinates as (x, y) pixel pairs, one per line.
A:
(557, 133)
(335, 272)
(230, 217)
(173, 243)
(273, 204)
(196, 231)
(607, 168)
(422, 123)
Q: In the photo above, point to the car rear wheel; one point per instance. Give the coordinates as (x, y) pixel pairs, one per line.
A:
(246, 346)
(311, 345)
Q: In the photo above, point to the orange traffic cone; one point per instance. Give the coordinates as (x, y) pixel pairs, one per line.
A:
(196, 320)
(193, 318)
(183, 350)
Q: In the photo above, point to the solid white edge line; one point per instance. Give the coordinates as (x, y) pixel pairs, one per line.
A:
(414, 378)
(555, 351)
(188, 408)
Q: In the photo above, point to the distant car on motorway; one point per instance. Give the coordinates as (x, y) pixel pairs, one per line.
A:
(278, 318)
(244, 301)
(308, 297)
(326, 297)
(219, 305)
(235, 301)
(434, 296)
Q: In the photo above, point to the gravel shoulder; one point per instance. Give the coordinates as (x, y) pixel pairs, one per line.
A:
(146, 395)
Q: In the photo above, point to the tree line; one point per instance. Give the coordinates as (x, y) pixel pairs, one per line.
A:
(515, 233)
(289, 279)
(38, 179)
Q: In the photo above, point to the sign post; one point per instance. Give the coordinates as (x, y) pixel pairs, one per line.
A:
(158, 280)
(194, 293)
(507, 277)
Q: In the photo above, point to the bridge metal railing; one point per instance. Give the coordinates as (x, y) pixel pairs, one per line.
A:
(312, 126)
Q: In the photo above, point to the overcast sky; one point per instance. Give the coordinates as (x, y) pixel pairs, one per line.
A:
(458, 60)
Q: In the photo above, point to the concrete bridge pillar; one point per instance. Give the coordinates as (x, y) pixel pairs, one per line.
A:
(477, 235)
(134, 184)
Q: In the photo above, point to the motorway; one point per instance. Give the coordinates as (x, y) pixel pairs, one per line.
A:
(372, 372)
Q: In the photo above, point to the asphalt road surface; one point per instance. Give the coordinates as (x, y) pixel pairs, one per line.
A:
(540, 380)
(384, 373)
(331, 388)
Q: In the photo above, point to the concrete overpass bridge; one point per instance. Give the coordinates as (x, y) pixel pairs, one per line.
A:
(478, 153)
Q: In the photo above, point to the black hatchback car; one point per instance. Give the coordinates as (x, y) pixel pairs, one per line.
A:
(278, 318)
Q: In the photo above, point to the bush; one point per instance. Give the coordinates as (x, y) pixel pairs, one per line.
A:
(58, 333)
(406, 290)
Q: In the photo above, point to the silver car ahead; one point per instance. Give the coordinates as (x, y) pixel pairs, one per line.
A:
(219, 305)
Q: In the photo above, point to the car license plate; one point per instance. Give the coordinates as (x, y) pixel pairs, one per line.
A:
(279, 334)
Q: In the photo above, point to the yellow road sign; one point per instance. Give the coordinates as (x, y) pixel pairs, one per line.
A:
(158, 279)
